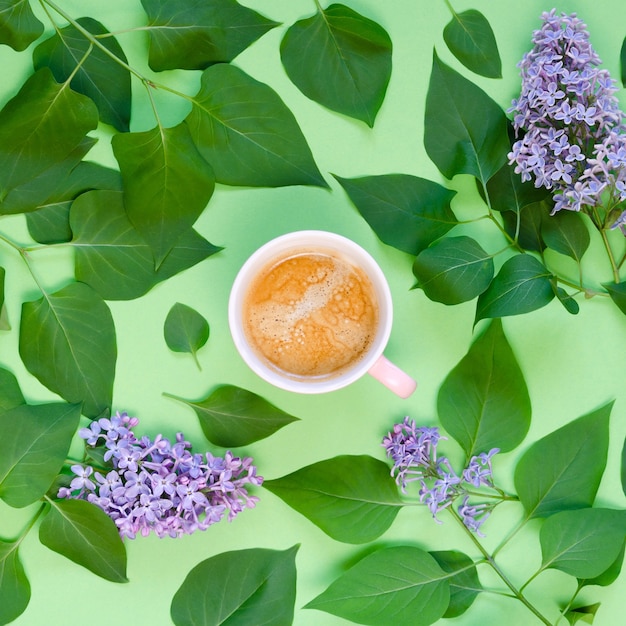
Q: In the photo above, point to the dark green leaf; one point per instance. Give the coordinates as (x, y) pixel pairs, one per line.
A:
(4, 323)
(85, 534)
(563, 470)
(254, 586)
(582, 543)
(340, 59)
(483, 402)
(617, 291)
(525, 226)
(245, 131)
(404, 211)
(609, 575)
(465, 131)
(192, 35)
(567, 233)
(622, 62)
(167, 184)
(67, 340)
(571, 306)
(99, 77)
(14, 585)
(18, 25)
(623, 468)
(351, 498)
(582, 614)
(10, 392)
(507, 192)
(453, 270)
(397, 585)
(34, 441)
(522, 285)
(464, 583)
(231, 417)
(185, 330)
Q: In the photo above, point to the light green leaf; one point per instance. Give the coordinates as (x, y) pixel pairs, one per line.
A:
(470, 38)
(351, 498)
(185, 330)
(464, 582)
(34, 441)
(85, 534)
(14, 585)
(567, 233)
(563, 470)
(245, 131)
(18, 25)
(483, 402)
(10, 392)
(99, 77)
(67, 340)
(396, 585)
(167, 184)
(465, 131)
(617, 291)
(609, 575)
(453, 270)
(340, 59)
(582, 614)
(231, 417)
(192, 35)
(406, 212)
(239, 588)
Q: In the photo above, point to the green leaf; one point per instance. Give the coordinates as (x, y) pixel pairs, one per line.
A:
(231, 417)
(85, 534)
(453, 270)
(525, 226)
(185, 330)
(192, 35)
(34, 441)
(40, 127)
(99, 76)
(464, 583)
(167, 184)
(609, 575)
(582, 543)
(622, 62)
(522, 285)
(10, 392)
(567, 233)
(483, 402)
(4, 323)
(67, 340)
(507, 192)
(617, 291)
(245, 131)
(355, 54)
(465, 131)
(14, 585)
(396, 585)
(571, 306)
(623, 468)
(18, 25)
(582, 614)
(351, 498)
(563, 470)
(253, 586)
(406, 212)
(114, 259)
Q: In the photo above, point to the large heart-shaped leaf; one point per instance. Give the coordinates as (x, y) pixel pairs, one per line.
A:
(14, 585)
(18, 25)
(566, 232)
(67, 340)
(192, 35)
(100, 77)
(85, 534)
(185, 330)
(253, 586)
(351, 498)
(34, 441)
(406, 212)
(245, 131)
(340, 59)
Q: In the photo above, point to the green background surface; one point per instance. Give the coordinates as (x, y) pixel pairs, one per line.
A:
(572, 364)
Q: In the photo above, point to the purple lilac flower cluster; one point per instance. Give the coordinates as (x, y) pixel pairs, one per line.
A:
(413, 451)
(573, 135)
(159, 486)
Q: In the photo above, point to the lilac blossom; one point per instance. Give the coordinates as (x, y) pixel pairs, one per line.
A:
(157, 485)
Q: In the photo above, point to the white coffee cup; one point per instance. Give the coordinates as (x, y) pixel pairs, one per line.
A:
(372, 362)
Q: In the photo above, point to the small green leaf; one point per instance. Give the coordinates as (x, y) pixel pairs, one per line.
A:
(470, 38)
(10, 392)
(60, 346)
(563, 470)
(582, 614)
(85, 534)
(18, 25)
(465, 131)
(192, 35)
(4, 323)
(355, 54)
(464, 583)
(396, 585)
(484, 402)
(522, 285)
(253, 586)
(584, 542)
(453, 270)
(406, 212)
(622, 62)
(231, 417)
(14, 585)
(246, 132)
(571, 306)
(351, 498)
(617, 291)
(34, 441)
(185, 330)
(525, 226)
(567, 233)
(507, 192)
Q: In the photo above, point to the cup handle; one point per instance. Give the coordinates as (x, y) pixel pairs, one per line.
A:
(393, 377)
